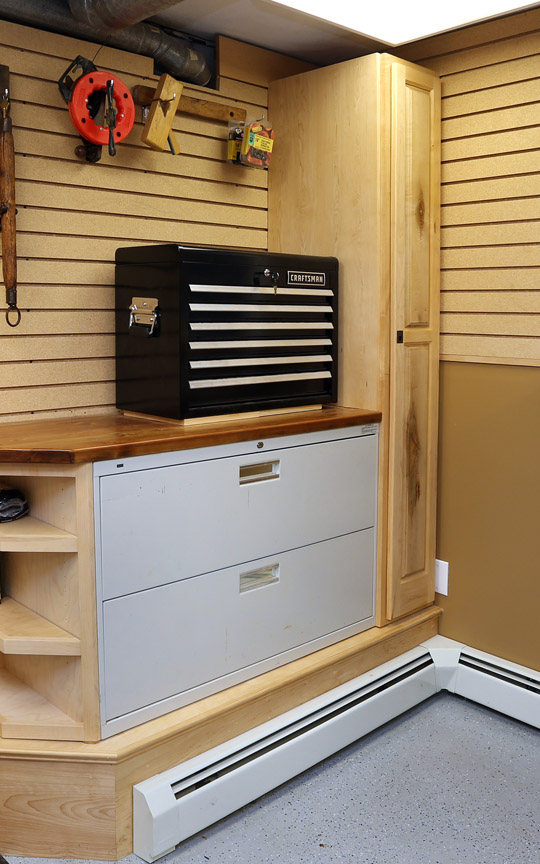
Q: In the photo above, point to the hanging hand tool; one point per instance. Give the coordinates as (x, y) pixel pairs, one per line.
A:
(158, 132)
(7, 202)
(100, 106)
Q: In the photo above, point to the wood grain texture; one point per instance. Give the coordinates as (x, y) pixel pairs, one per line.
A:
(57, 808)
(56, 679)
(490, 188)
(25, 713)
(87, 439)
(47, 584)
(266, 66)
(414, 357)
(31, 535)
(189, 105)
(87, 611)
(24, 632)
(316, 116)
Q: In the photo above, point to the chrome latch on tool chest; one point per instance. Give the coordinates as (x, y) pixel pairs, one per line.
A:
(144, 312)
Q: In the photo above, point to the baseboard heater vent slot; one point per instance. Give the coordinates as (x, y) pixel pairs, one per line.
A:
(499, 684)
(495, 671)
(174, 805)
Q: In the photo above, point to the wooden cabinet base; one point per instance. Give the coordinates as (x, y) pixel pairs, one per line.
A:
(74, 800)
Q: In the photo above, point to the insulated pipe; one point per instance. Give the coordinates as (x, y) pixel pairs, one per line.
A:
(116, 14)
(172, 54)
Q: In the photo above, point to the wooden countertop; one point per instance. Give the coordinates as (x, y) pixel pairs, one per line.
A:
(111, 436)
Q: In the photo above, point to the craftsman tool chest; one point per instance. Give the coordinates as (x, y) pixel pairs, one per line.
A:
(212, 331)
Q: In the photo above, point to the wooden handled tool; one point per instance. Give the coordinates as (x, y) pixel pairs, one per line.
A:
(7, 202)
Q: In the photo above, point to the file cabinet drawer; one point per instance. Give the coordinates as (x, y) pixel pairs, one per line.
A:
(178, 638)
(161, 525)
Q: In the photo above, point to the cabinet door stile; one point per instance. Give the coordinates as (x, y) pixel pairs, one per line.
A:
(414, 339)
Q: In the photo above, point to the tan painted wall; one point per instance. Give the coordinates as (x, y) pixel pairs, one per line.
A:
(489, 508)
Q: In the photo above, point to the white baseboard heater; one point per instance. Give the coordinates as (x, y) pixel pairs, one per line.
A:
(177, 803)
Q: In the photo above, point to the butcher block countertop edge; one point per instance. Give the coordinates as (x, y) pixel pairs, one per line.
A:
(71, 440)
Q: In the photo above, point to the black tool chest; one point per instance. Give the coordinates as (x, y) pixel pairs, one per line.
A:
(212, 331)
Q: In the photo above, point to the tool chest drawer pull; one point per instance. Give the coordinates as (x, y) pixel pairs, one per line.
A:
(259, 471)
(257, 578)
(202, 383)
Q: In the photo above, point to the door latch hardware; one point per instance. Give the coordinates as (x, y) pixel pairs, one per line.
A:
(144, 312)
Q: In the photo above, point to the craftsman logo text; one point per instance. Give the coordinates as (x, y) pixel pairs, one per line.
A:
(301, 277)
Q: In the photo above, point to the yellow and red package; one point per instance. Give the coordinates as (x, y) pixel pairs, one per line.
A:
(257, 144)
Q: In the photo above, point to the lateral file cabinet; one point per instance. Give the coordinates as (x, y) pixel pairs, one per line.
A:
(217, 564)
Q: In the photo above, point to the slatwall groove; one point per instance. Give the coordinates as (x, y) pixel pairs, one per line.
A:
(119, 174)
(56, 347)
(461, 115)
(496, 188)
(497, 143)
(490, 194)
(482, 55)
(492, 234)
(505, 165)
(490, 172)
(73, 215)
(490, 122)
(470, 180)
(33, 181)
(507, 72)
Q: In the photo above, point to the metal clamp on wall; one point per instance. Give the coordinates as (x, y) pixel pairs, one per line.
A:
(144, 313)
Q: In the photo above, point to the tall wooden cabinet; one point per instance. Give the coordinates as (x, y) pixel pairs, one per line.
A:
(355, 174)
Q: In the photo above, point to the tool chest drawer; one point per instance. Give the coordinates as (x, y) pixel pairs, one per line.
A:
(163, 524)
(179, 637)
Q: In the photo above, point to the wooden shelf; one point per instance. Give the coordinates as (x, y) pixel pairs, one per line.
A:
(24, 632)
(26, 714)
(31, 535)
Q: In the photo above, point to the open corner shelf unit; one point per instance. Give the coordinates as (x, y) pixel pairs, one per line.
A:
(48, 666)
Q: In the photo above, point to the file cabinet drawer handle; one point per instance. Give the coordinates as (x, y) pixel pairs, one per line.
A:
(259, 471)
(258, 578)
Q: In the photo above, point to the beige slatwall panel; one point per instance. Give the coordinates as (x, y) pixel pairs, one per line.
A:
(490, 237)
(72, 216)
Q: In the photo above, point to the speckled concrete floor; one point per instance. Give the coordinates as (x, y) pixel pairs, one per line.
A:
(450, 782)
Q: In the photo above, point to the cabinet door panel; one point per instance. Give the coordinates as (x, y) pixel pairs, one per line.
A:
(416, 466)
(164, 524)
(416, 278)
(170, 639)
(414, 340)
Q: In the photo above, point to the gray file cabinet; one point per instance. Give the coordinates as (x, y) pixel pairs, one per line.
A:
(217, 564)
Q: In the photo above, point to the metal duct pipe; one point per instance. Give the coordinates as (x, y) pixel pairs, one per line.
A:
(171, 53)
(117, 14)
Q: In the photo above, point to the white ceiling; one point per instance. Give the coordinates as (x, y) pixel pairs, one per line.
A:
(276, 27)
(269, 26)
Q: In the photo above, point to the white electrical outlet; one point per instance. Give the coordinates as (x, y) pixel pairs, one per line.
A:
(441, 577)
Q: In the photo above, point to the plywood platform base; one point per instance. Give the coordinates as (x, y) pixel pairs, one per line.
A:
(222, 418)
(74, 800)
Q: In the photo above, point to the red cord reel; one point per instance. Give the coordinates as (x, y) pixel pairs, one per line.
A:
(89, 87)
